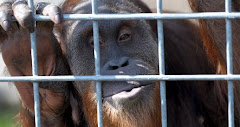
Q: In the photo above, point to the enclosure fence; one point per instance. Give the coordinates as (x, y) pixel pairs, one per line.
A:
(229, 77)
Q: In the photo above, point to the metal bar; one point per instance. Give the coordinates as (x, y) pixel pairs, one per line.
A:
(97, 64)
(35, 71)
(161, 66)
(230, 104)
(229, 65)
(153, 16)
(121, 78)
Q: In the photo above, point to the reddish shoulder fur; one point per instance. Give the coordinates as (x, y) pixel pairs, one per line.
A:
(209, 44)
(212, 50)
(69, 4)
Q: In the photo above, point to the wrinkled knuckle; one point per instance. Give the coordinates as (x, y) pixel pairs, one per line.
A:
(5, 8)
(54, 9)
(19, 3)
(22, 13)
(40, 7)
(25, 20)
(20, 7)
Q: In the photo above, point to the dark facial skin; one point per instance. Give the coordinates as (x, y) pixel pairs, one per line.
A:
(130, 48)
(121, 52)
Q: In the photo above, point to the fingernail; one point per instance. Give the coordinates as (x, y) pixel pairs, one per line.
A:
(6, 25)
(58, 19)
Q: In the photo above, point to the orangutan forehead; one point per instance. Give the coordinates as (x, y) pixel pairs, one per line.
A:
(104, 6)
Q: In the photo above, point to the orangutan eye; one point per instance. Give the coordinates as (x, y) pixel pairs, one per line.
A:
(124, 37)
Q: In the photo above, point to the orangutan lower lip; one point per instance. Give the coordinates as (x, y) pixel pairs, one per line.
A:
(128, 92)
(125, 94)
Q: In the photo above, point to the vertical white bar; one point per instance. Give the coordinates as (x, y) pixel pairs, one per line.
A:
(35, 71)
(97, 64)
(229, 65)
(162, 66)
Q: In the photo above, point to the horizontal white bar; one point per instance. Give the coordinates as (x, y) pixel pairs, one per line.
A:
(120, 78)
(152, 16)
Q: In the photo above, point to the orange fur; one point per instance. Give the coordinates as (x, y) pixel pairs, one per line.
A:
(25, 118)
(119, 118)
(214, 39)
(212, 51)
(209, 44)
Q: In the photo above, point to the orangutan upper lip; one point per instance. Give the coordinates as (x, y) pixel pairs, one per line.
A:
(126, 89)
